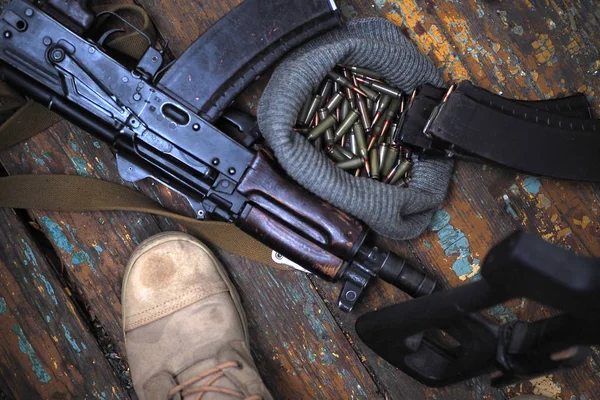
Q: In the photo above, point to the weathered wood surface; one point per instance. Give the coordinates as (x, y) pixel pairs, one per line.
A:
(304, 347)
(46, 351)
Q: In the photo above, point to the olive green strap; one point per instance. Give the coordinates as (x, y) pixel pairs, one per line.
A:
(132, 44)
(68, 193)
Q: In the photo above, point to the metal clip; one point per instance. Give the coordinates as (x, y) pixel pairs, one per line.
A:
(436, 111)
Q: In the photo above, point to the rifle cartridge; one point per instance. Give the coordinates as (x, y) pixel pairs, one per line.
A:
(353, 163)
(403, 168)
(390, 161)
(334, 101)
(381, 87)
(361, 140)
(312, 111)
(346, 124)
(325, 124)
(374, 162)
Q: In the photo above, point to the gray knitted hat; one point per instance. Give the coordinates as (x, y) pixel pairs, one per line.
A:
(377, 44)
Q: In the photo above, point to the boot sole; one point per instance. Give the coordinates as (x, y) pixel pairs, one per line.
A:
(176, 236)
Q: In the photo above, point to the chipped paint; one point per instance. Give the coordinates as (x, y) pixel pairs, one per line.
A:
(70, 339)
(427, 244)
(49, 288)
(58, 235)
(509, 207)
(29, 256)
(80, 165)
(502, 313)
(26, 348)
(517, 30)
(2, 305)
(455, 243)
(81, 257)
(543, 202)
(379, 3)
(545, 386)
(532, 185)
(98, 249)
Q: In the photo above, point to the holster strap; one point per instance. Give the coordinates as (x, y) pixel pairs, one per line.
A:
(67, 193)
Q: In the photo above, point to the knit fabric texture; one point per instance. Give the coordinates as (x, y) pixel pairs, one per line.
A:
(376, 44)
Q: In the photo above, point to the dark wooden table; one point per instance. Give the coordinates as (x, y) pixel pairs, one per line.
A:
(60, 273)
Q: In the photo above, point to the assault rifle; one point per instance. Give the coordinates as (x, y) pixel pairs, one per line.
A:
(159, 120)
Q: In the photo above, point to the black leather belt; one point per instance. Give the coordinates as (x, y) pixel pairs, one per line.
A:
(556, 138)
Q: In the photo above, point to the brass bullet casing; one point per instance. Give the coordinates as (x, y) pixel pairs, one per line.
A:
(325, 92)
(403, 168)
(335, 154)
(365, 118)
(364, 71)
(390, 160)
(312, 111)
(384, 148)
(381, 87)
(361, 140)
(346, 124)
(320, 129)
(374, 161)
(334, 101)
(353, 163)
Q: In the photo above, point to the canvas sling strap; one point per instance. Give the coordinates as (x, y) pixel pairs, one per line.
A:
(66, 193)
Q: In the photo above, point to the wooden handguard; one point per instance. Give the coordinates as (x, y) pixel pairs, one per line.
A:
(297, 224)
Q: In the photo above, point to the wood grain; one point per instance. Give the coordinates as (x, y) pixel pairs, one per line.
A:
(304, 347)
(47, 351)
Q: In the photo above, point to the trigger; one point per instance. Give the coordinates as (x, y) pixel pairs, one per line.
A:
(108, 33)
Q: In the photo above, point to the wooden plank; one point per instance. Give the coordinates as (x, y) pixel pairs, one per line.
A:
(300, 350)
(47, 350)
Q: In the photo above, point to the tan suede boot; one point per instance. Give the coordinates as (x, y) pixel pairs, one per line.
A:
(186, 334)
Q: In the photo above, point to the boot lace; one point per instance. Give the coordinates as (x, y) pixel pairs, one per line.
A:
(213, 374)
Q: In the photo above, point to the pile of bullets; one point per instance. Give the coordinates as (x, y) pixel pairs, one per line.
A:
(355, 117)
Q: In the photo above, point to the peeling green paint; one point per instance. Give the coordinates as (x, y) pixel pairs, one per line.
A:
(26, 348)
(2, 306)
